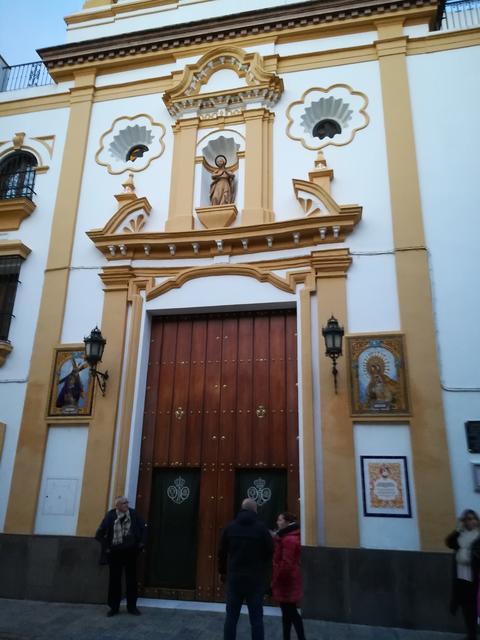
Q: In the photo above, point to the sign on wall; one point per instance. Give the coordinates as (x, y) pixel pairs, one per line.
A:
(385, 487)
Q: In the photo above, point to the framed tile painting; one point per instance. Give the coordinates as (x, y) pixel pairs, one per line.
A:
(377, 372)
(385, 488)
(71, 390)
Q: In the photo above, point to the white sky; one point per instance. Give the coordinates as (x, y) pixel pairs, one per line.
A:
(27, 25)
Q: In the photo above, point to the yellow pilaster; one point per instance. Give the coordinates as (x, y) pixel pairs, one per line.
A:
(180, 211)
(101, 436)
(433, 484)
(258, 167)
(339, 483)
(26, 478)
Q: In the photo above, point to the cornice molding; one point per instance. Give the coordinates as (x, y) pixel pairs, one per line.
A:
(240, 25)
(13, 212)
(241, 240)
(14, 248)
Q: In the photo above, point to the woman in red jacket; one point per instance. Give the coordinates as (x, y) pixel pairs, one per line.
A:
(286, 578)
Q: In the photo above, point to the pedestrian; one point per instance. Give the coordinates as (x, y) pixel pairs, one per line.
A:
(286, 577)
(122, 534)
(465, 541)
(245, 557)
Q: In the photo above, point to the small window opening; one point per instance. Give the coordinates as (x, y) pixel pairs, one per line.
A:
(9, 272)
(136, 152)
(17, 175)
(326, 129)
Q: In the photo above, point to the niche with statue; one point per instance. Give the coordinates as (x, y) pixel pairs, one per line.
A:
(218, 182)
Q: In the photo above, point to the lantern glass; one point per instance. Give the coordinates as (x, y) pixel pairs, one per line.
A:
(94, 346)
(333, 334)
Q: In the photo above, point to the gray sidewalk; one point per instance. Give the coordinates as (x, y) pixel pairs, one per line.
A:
(33, 620)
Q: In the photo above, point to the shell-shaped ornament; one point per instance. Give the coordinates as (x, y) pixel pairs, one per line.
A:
(220, 146)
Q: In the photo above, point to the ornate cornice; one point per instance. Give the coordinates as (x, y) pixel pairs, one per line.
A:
(242, 240)
(13, 212)
(240, 25)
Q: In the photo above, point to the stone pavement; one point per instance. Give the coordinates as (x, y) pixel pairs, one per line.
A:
(33, 620)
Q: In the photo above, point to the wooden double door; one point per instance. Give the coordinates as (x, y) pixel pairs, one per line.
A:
(220, 424)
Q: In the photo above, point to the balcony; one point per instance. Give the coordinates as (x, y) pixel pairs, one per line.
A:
(460, 14)
(24, 76)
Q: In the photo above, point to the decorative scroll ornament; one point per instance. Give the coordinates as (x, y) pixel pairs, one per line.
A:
(178, 492)
(259, 492)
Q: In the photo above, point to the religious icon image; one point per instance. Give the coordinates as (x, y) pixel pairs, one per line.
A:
(222, 185)
(377, 375)
(72, 387)
(385, 486)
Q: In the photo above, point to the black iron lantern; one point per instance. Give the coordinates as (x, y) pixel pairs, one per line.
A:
(333, 334)
(94, 347)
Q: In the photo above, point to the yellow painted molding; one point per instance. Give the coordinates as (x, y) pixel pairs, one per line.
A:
(240, 240)
(219, 270)
(138, 204)
(5, 349)
(3, 428)
(13, 212)
(217, 217)
(433, 485)
(14, 248)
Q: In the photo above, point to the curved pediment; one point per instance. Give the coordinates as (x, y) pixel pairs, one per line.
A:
(191, 96)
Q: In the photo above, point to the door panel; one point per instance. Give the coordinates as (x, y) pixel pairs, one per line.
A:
(173, 534)
(268, 487)
(220, 415)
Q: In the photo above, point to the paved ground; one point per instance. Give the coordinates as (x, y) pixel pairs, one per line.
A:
(32, 620)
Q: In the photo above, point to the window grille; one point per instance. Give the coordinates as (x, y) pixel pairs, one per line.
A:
(17, 175)
(9, 272)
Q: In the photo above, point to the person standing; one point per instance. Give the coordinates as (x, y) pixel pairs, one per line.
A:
(122, 534)
(245, 556)
(286, 577)
(465, 541)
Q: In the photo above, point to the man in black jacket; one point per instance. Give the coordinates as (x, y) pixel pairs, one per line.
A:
(245, 557)
(122, 534)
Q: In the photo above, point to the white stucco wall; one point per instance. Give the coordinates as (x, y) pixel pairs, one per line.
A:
(381, 532)
(445, 98)
(34, 232)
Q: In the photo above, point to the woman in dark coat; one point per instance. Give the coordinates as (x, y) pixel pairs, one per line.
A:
(465, 541)
(286, 577)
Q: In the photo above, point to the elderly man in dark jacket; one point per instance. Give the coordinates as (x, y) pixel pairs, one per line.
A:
(245, 557)
(122, 534)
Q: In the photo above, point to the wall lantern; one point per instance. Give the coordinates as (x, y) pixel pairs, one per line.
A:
(94, 346)
(333, 334)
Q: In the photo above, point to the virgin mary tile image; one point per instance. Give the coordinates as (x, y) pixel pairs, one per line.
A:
(71, 393)
(377, 375)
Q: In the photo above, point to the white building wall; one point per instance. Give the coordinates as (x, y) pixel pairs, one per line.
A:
(445, 97)
(34, 232)
(381, 532)
(61, 484)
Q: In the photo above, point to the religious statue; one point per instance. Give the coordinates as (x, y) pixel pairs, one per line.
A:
(221, 188)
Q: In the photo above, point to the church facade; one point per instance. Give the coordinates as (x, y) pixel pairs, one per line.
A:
(226, 196)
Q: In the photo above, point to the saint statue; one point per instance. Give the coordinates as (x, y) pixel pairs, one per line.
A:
(221, 189)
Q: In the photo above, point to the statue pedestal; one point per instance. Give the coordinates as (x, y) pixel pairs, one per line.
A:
(218, 216)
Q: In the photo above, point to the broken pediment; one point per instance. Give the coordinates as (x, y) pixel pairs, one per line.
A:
(199, 93)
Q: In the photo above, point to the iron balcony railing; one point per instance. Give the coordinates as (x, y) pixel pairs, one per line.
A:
(461, 14)
(17, 185)
(24, 76)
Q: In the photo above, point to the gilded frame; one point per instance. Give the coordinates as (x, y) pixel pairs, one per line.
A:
(378, 375)
(71, 386)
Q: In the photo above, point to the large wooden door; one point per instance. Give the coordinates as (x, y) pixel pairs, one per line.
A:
(220, 422)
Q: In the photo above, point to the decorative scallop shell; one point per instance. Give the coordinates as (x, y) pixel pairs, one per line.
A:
(331, 108)
(128, 138)
(221, 146)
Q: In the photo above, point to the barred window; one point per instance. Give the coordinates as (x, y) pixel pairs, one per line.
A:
(9, 272)
(17, 175)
